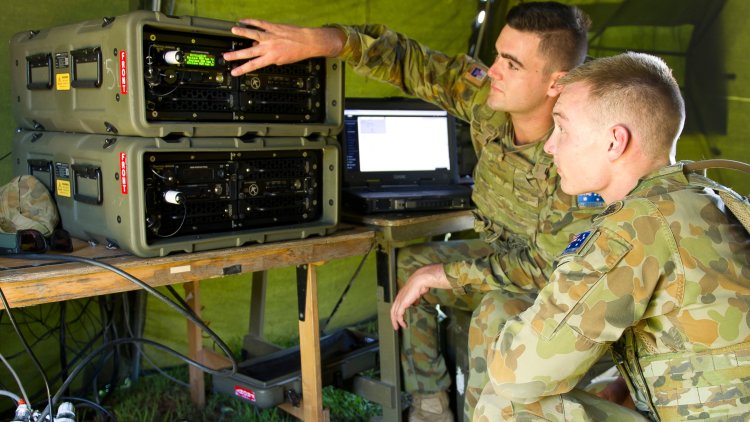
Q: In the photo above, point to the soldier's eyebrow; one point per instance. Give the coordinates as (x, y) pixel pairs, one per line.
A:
(512, 58)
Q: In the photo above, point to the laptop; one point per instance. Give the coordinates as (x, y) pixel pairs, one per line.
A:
(399, 154)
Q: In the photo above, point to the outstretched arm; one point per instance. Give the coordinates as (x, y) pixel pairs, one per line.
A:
(373, 51)
(282, 44)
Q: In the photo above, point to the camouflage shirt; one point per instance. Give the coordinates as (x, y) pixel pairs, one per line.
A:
(521, 210)
(664, 275)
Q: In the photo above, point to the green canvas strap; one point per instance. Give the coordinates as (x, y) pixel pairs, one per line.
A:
(703, 165)
(736, 203)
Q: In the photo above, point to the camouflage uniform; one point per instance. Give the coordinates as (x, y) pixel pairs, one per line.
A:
(523, 217)
(663, 280)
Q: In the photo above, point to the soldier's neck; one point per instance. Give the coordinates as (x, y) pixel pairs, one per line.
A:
(529, 129)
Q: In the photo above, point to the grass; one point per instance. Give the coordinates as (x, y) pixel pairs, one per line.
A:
(156, 398)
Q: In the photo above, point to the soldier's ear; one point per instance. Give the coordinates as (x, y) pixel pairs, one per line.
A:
(554, 89)
(619, 141)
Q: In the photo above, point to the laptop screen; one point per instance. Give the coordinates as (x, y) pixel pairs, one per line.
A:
(397, 142)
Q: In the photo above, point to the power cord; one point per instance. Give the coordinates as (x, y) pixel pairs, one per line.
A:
(26, 347)
(18, 380)
(188, 314)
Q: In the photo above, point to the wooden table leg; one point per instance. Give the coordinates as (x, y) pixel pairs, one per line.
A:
(309, 344)
(195, 346)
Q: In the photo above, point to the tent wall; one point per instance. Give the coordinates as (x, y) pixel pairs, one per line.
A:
(443, 24)
(447, 25)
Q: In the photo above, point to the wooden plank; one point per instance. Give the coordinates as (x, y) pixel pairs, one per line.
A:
(407, 227)
(309, 346)
(214, 360)
(195, 346)
(299, 414)
(27, 283)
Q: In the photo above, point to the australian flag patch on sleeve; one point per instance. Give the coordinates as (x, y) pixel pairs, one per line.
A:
(578, 241)
(476, 74)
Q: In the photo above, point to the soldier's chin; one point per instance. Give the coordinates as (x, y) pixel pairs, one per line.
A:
(569, 189)
(494, 103)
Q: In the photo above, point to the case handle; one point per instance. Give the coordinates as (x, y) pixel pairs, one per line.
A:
(87, 172)
(82, 56)
(37, 61)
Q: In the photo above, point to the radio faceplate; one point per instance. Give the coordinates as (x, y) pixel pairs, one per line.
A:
(152, 75)
(222, 193)
(151, 196)
(187, 79)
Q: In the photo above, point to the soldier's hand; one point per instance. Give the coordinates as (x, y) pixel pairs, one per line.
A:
(420, 282)
(617, 392)
(282, 44)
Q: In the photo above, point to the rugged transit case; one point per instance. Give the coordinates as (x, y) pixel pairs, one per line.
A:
(276, 378)
(151, 196)
(152, 75)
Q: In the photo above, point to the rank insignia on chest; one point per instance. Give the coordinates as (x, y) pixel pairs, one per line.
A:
(577, 243)
(590, 200)
(476, 74)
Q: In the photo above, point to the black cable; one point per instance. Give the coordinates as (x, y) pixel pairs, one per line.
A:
(63, 342)
(26, 346)
(115, 342)
(108, 313)
(88, 403)
(179, 299)
(141, 353)
(44, 317)
(15, 377)
(98, 370)
(91, 335)
(142, 285)
(346, 289)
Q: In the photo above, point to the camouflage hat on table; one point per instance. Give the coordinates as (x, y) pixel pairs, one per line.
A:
(25, 203)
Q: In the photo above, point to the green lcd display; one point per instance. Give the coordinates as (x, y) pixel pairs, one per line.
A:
(197, 58)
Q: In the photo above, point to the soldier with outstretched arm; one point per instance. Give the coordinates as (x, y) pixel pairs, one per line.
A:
(522, 217)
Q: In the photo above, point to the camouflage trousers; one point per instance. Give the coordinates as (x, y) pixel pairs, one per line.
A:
(575, 406)
(423, 365)
(424, 368)
(496, 307)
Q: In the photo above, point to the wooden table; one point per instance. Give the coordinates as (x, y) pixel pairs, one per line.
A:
(27, 283)
(394, 231)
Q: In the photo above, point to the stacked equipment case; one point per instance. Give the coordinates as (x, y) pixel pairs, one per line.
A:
(149, 144)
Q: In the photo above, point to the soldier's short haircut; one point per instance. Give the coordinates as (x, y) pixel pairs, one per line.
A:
(563, 31)
(639, 87)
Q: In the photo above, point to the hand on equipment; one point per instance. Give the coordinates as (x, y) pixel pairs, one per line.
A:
(281, 44)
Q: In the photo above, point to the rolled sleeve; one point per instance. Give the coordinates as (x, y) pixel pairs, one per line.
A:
(377, 52)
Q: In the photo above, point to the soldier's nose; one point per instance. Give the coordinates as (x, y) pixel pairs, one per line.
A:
(549, 146)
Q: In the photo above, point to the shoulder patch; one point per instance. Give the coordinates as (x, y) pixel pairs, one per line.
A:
(476, 74)
(577, 243)
(611, 209)
(590, 200)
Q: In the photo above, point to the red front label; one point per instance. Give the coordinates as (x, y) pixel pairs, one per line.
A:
(123, 73)
(123, 173)
(244, 393)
